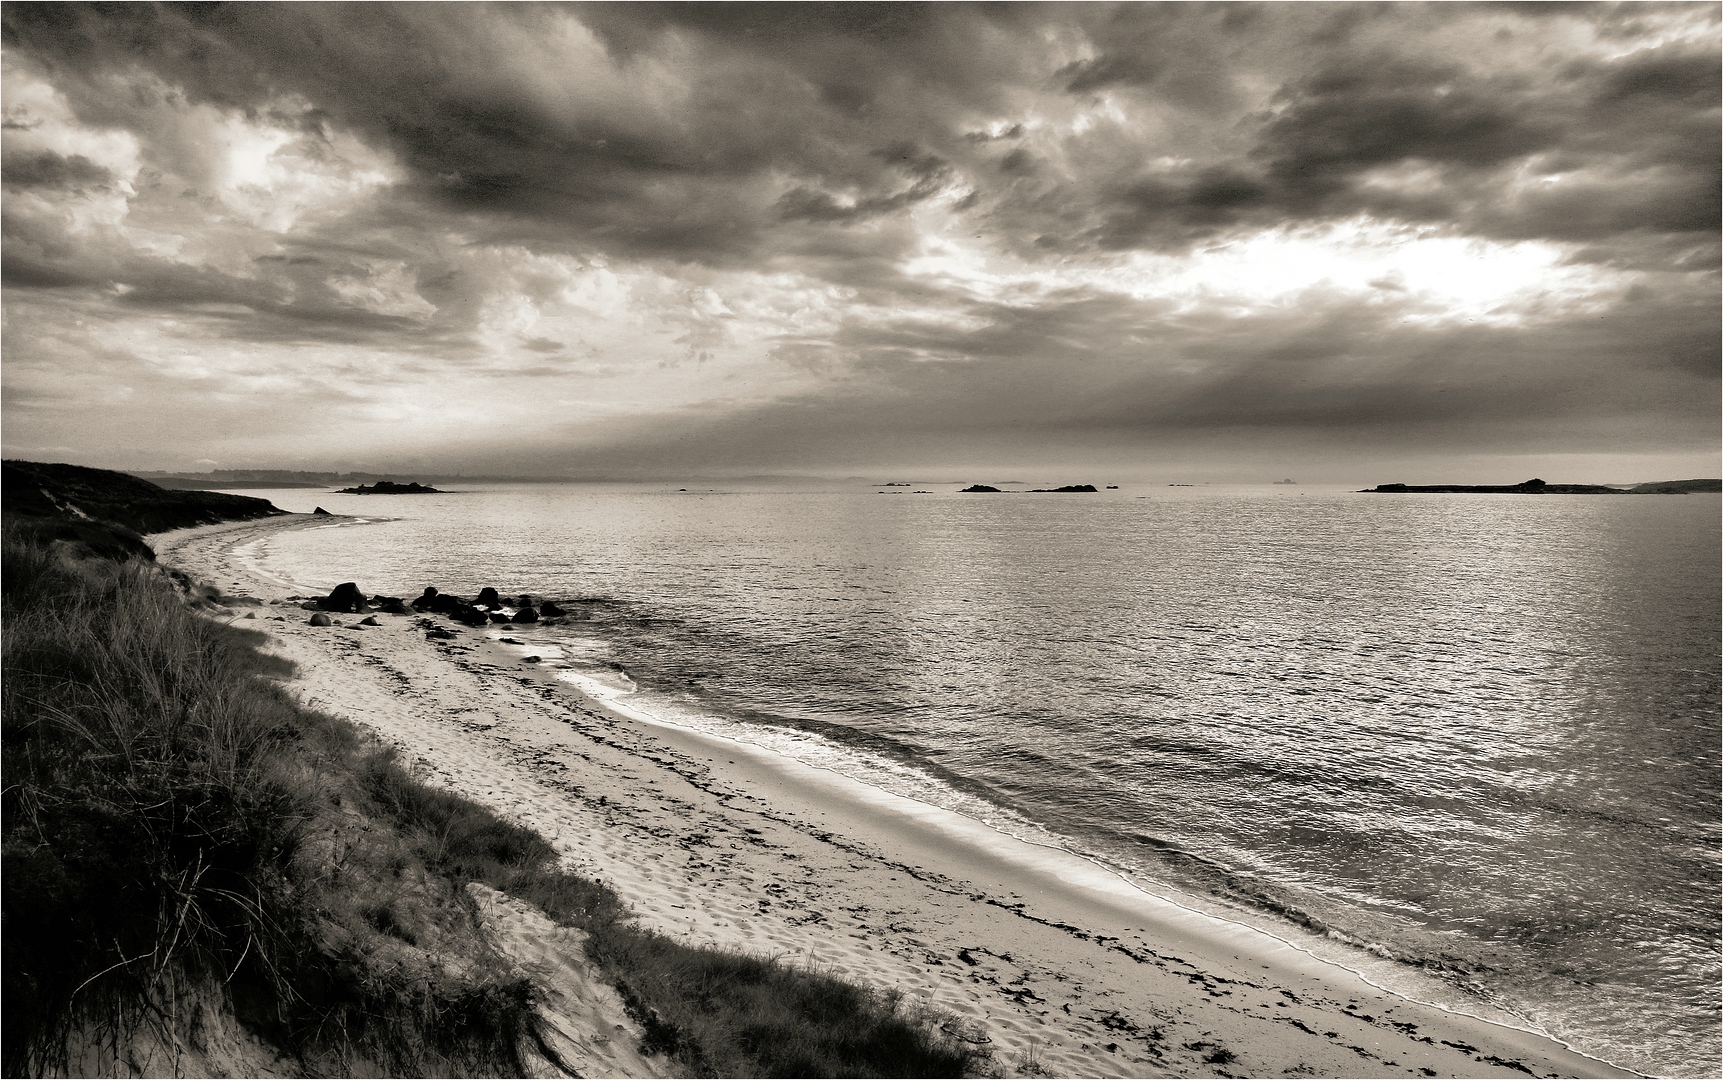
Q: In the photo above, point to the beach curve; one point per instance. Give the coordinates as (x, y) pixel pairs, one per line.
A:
(717, 841)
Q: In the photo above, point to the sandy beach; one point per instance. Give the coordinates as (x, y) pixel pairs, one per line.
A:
(1060, 966)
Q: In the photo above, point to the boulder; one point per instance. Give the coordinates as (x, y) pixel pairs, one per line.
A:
(321, 511)
(529, 659)
(444, 603)
(251, 614)
(369, 620)
(470, 615)
(549, 608)
(426, 599)
(499, 617)
(391, 605)
(488, 598)
(321, 619)
(525, 614)
(346, 597)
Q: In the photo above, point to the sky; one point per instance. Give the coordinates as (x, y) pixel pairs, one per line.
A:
(1231, 242)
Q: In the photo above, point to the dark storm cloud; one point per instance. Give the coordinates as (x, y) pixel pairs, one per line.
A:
(863, 108)
(48, 169)
(798, 94)
(1646, 127)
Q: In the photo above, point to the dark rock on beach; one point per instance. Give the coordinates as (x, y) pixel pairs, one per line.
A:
(526, 615)
(499, 617)
(320, 619)
(426, 599)
(472, 616)
(390, 605)
(346, 598)
(321, 511)
(488, 598)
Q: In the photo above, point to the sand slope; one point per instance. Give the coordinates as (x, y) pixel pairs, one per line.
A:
(1059, 967)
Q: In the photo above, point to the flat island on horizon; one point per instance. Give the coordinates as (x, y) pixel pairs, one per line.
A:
(1538, 487)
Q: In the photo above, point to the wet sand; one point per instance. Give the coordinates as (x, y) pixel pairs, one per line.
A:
(1059, 966)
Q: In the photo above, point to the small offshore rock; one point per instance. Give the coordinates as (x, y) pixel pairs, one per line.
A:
(549, 608)
(981, 487)
(488, 598)
(389, 487)
(321, 619)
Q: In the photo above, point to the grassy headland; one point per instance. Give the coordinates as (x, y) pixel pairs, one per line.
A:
(185, 845)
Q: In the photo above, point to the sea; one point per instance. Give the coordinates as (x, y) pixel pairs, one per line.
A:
(1473, 739)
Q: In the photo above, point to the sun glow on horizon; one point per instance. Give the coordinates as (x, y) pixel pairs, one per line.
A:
(1432, 276)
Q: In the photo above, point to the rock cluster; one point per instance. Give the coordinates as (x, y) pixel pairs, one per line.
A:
(489, 607)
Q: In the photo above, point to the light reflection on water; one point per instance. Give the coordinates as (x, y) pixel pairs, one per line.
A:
(1481, 731)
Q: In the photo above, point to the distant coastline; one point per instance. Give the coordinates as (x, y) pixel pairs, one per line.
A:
(1538, 487)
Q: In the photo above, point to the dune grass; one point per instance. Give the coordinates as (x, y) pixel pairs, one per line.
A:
(179, 832)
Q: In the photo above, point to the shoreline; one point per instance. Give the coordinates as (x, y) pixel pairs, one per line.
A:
(1066, 968)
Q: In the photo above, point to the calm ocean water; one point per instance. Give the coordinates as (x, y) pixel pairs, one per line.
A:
(1478, 735)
